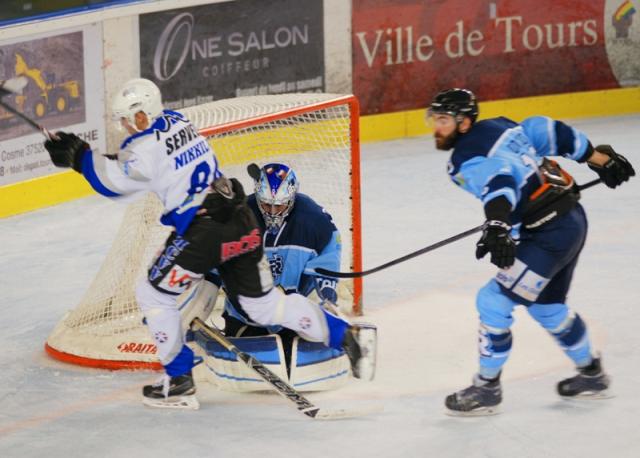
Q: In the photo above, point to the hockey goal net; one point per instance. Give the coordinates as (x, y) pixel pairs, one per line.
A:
(316, 134)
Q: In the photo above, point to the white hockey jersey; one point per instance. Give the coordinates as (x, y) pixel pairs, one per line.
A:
(170, 158)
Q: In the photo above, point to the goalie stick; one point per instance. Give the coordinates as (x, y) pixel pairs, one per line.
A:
(254, 171)
(302, 404)
(15, 86)
(331, 273)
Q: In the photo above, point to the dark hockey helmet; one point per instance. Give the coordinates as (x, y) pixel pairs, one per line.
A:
(455, 102)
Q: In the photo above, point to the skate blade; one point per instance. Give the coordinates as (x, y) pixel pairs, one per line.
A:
(189, 402)
(590, 396)
(481, 412)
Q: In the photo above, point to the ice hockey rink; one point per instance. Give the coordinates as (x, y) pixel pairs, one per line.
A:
(424, 310)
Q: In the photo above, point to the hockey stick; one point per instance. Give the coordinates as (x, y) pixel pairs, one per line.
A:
(254, 171)
(287, 391)
(15, 86)
(331, 273)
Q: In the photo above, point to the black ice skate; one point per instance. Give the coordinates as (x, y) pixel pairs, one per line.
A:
(171, 392)
(481, 398)
(590, 383)
(360, 345)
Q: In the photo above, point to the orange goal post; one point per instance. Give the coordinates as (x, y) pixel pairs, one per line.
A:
(315, 134)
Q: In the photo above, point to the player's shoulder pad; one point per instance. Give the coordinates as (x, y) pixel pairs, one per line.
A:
(310, 222)
(162, 123)
(478, 141)
(537, 120)
(308, 207)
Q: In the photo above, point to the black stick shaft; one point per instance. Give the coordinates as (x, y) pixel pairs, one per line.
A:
(589, 184)
(301, 403)
(406, 257)
(331, 273)
(25, 118)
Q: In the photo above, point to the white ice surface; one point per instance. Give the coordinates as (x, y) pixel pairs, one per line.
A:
(424, 309)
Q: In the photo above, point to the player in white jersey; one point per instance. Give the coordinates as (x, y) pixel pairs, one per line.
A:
(214, 228)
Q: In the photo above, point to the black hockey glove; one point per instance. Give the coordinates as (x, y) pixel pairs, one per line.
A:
(616, 170)
(67, 150)
(226, 195)
(496, 234)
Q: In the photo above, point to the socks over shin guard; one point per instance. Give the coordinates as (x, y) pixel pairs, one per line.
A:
(337, 329)
(573, 338)
(494, 346)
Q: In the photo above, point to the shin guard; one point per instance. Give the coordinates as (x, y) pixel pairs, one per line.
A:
(494, 346)
(574, 340)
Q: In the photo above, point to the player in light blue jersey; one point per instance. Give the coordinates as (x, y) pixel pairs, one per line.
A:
(534, 231)
(298, 235)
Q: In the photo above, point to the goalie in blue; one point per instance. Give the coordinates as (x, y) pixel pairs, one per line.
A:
(298, 235)
(535, 230)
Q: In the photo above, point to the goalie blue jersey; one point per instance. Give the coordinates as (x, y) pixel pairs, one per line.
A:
(499, 157)
(307, 239)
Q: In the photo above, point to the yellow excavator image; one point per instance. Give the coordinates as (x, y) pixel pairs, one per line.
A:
(42, 95)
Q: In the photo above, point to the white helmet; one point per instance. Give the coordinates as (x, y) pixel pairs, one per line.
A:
(136, 95)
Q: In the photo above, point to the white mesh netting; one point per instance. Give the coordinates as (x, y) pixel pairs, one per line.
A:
(310, 132)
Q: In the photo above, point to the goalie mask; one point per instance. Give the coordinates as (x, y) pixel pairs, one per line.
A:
(136, 95)
(275, 194)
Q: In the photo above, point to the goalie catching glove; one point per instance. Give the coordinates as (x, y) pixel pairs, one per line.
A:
(616, 170)
(496, 234)
(67, 150)
(326, 289)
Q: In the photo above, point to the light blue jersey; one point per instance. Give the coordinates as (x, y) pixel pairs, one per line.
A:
(306, 240)
(499, 157)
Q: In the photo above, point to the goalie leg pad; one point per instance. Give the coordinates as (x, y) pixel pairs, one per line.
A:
(314, 367)
(229, 374)
(366, 337)
(198, 303)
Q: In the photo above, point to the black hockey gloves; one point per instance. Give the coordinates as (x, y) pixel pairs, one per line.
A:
(496, 234)
(616, 170)
(220, 204)
(67, 150)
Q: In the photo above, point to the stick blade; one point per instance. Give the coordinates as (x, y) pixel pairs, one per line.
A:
(14, 85)
(339, 414)
(254, 171)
